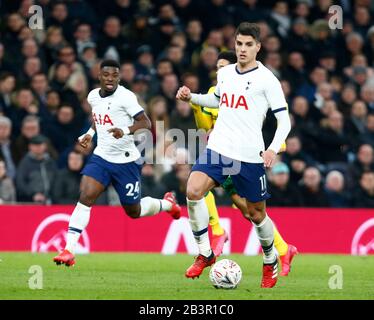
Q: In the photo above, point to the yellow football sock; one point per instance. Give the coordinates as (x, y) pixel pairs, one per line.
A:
(279, 243)
(213, 214)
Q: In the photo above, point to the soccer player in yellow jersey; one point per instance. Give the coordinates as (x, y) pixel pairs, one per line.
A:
(205, 118)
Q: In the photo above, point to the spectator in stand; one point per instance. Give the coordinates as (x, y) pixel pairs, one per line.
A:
(355, 124)
(62, 129)
(7, 188)
(337, 195)
(295, 158)
(7, 86)
(157, 111)
(283, 192)
(194, 33)
(53, 43)
(347, 98)
(368, 136)
(65, 188)
(30, 128)
(127, 74)
(138, 31)
(76, 79)
(59, 17)
(149, 182)
(6, 148)
(169, 87)
(367, 94)
(39, 86)
(364, 195)
(182, 117)
(295, 71)
(332, 141)
(82, 37)
(312, 191)
(36, 173)
(309, 89)
(363, 163)
(112, 44)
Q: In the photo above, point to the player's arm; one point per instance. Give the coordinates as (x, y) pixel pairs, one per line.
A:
(210, 100)
(86, 138)
(135, 110)
(278, 105)
(141, 121)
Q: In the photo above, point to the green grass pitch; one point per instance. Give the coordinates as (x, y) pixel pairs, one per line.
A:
(154, 276)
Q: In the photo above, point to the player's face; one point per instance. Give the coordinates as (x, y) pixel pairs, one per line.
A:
(109, 78)
(222, 63)
(246, 49)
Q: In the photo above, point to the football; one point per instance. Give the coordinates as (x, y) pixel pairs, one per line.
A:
(225, 274)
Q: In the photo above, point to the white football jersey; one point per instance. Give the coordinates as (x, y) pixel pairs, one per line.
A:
(244, 101)
(115, 111)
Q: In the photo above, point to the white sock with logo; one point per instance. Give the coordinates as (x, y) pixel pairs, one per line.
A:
(199, 221)
(265, 234)
(78, 222)
(151, 206)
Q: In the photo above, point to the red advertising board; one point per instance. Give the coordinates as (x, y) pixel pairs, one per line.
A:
(43, 228)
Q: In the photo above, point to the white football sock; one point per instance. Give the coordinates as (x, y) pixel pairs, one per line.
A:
(78, 222)
(199, 221)
(265, 234)
(151, 206)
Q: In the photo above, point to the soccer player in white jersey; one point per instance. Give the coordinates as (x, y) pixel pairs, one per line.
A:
(116, 116)
(244, 93)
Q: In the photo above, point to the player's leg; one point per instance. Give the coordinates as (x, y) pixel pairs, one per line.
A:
(198, 184)
(210, 201)
(264, 228)
(94, 181)
(126, 179)
(250, 184)
(219, 235)
(91, 189)
(149, 206)
(206, 174)
(286, 251)
(279, 243)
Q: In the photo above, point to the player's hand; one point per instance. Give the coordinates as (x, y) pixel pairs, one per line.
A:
(269, 158)
(85, 140)
(184, 94)
(116, 133)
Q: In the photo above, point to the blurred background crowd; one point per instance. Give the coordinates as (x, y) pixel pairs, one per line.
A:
(327, 76)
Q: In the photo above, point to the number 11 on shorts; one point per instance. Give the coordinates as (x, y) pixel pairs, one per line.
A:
(263, 185)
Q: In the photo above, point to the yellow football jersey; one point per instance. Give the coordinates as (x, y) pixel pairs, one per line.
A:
(205, 118)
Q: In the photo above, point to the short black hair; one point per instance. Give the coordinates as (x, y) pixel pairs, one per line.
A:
(249, 29)
(109, 63)
(230, 56)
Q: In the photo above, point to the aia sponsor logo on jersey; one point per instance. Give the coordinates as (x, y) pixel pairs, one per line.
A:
(363, 240)
(101, 119)
(233, 101)
(50, 235)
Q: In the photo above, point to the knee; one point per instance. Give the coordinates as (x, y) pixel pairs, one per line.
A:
(86, 199)
(133, 213)
(255, 214)
(194, 193)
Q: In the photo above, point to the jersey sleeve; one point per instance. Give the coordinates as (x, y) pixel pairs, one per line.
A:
(89, 97)
(217, 91)
(132, 106)
(274, 94)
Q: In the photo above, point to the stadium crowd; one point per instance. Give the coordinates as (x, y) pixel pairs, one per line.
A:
(327, 76)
